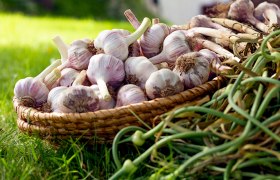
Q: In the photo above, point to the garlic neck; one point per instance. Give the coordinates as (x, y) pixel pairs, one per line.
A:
(48, 69)
(139, 31)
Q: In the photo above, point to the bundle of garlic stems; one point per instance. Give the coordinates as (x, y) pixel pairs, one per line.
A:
(233, 134)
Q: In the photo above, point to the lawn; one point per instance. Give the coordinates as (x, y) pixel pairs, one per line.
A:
(26, 47)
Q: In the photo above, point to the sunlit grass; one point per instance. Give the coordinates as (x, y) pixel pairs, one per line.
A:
(26, 48)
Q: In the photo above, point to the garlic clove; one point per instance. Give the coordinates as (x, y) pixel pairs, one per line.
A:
(105, 69)
(134, 68)
(163, 83)
(130, 94)
(193, 69)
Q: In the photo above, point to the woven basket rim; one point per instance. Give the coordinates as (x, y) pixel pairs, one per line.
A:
(124, 109)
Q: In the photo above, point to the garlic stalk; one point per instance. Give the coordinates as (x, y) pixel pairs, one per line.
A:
(62, 48)
(163, 83)
(103, 104)
(113, 43)
(105, 69)
(174, 45)
(268, 13)
(34, 91)
(134, 68)
(130, 94)
(193, 69)
(243, 10)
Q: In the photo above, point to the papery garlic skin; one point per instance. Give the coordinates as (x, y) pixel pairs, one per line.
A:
(269, 13)
(138, 70)
(103, 104)
(130, 94)
(193, 69)
(31, 91)
(75, 99)
(163, 83)
(68, 76)
(174, 45)
(105, 69)
(79, 53)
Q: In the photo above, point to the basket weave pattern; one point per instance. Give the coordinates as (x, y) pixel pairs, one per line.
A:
(103, 124)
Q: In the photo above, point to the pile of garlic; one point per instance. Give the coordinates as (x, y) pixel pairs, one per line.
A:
(119, 68)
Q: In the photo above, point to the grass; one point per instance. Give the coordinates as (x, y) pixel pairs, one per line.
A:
(26, 48)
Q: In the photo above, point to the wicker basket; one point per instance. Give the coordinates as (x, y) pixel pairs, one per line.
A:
(103, 125)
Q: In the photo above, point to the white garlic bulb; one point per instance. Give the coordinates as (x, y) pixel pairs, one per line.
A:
(163, 83)
(138, 70)
(193, 69)
(68, 75)
(130, 94)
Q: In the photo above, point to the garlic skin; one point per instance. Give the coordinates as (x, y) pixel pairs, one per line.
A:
(130, 94)
(55, 93)
(163, 83)
(193, 69)
(138, 70)
(75, 99)
(33, 92)
(174, 45)
(103, 104)
(115, 44)
(105, 69)
(68, 75)
(79, 53)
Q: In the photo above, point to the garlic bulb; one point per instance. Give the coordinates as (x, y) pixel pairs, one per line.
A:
(68, 75)
(193, 69)
(268, 13)
(105, 69)
(174, 45)
(34, 91)
(79, 53)
(115, 44)
(130, 94)
(138, 70)
(103, 104)
(242, 11)
(151, 41)
(215, 62)
(74, 99)
(163, 83)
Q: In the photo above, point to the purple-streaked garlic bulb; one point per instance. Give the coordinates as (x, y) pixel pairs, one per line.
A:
(174, 45)
(130, 94)
(68, 75)
(243, 11)
(269, 13)
(215, 62)
(103, 104)
(163, 83)
(74, 99)
(34, 91)
(151, 41)
(105, 70)
(79, 53)
(117, 45)
(193, 69)
(138, 70)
